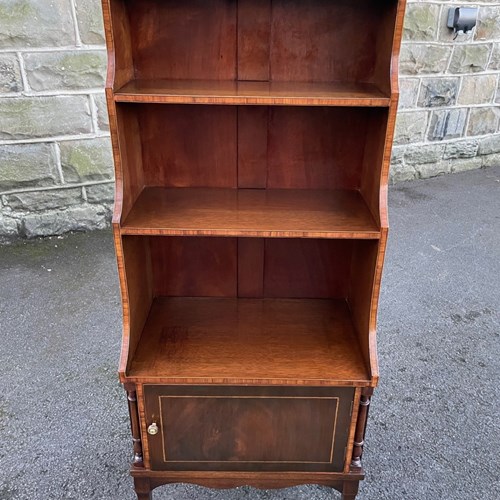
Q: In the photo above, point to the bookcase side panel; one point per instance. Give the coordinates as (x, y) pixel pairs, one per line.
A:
(360, 298)
(117, 29)
(385, 46)
(128, 157)
(137, 276)
(374, 161)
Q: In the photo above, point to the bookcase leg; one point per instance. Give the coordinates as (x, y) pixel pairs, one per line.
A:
(135, 427)
(350, 490)
(142, 488)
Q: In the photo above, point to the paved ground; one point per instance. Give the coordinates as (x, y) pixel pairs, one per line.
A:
(434, 427)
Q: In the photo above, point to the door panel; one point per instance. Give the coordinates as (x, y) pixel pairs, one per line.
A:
(248, 428)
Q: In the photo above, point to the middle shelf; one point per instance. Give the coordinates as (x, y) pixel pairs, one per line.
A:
(234, 340)
(253, 92)
(263, 213)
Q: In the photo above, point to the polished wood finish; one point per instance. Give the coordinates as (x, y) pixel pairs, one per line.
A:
(252, 145)
(261, 479)
(237, 146)
(251, 262)
(212, 260)
(135, 427)
(192, 39)
(272, 268)
(187, 146)
(258, 93)
(271, 428)
(260, 213)
(350, 490)
(143, 488)
(249, 341)
(359, 436)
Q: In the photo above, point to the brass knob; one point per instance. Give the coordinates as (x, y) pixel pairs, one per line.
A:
(153, 429)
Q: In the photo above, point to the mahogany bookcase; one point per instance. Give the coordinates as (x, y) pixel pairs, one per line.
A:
(251, 143)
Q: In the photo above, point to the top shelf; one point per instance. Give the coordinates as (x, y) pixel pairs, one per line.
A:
(252, 93)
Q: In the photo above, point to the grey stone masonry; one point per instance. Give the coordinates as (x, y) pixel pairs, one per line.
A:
(449, 116)
(56, 168)
(56, 172)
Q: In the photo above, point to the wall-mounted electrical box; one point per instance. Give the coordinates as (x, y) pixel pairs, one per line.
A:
(462, 19)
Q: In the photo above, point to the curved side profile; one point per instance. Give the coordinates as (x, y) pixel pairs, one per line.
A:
(252, 142)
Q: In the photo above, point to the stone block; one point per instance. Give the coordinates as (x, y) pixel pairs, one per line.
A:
(495, 57)
(35, 23)
(435, 92)
(447, 124)
(82, 218)
(101, 193)
(102, 111)
(477, 89)
(397, 155)
(28, 117)
(33, 201)
(408, 88)
(489, 145)
(421, 21)
(461, 149)
(425, 153)
(90, 25)
(426, 170)
(488, 27)
(86, 160)
(401, 173)
(491, 160)
(483, 121)
(421, 59)
(470, 58)
(8, 226)
(27, 165)
(463, 165)
(76, 69)
(10, 74)
(410, 127)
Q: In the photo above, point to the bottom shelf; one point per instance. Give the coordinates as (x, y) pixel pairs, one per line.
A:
(249, 341)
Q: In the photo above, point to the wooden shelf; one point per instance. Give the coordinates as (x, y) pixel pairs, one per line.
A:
(263, 93)
(274, 213)
(258, 341)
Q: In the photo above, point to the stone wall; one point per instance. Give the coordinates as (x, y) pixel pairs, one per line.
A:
(56, 170)
(449, 113)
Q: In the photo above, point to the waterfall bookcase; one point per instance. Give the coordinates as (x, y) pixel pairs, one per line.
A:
(251, 142)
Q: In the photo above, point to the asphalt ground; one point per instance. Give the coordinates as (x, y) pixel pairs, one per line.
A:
(434, 425)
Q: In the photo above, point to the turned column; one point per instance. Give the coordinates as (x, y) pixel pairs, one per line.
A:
(359, 435)
(135, 428)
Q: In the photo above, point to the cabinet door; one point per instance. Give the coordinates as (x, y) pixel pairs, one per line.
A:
(233, 428)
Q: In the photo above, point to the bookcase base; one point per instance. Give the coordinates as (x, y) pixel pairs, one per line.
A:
(145, 481)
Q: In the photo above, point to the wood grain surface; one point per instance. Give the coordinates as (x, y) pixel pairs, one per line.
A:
(251, 212)
(243, 92)
(280, 428)
(306, 96)
(258, 341)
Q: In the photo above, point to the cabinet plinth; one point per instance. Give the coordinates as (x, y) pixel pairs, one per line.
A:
(251, 142)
